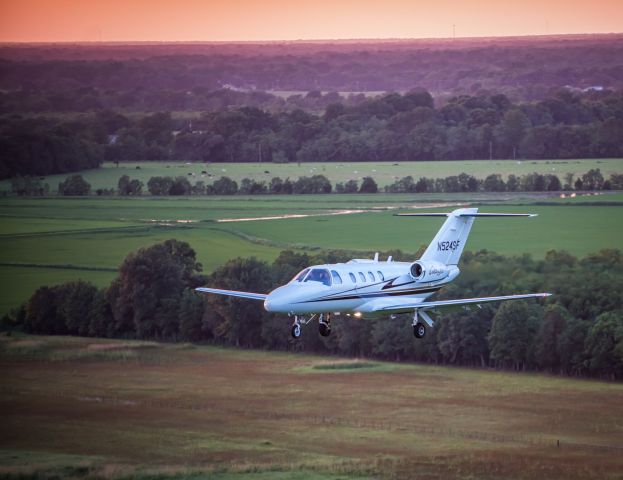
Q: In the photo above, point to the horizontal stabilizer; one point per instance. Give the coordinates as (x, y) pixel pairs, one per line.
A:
(466, 214)
(233, 293)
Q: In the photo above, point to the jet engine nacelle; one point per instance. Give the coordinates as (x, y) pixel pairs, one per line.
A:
(428, 271)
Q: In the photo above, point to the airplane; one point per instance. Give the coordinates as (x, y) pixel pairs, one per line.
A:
(369, 288)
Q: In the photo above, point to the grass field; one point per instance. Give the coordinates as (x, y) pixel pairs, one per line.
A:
(87, 408)
(45, 241)
(384, 173)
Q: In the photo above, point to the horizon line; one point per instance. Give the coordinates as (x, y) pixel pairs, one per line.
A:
(303, 41)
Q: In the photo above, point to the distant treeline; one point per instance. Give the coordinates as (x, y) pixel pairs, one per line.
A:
(579, 331)
(390, 128)
(319, 184)
(122, 76)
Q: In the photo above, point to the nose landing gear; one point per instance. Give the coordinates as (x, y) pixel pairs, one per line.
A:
(299, 321)
(324, 325)
(296, 330)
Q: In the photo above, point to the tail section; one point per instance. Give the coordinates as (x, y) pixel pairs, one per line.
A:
(448, 244)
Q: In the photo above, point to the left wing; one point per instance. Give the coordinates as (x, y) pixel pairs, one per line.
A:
(233, 293)
(403, 305)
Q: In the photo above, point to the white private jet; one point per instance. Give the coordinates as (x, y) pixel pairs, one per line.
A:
(371, 288)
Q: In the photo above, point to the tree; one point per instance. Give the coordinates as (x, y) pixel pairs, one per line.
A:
(238, 322)
(494, 183)
(368, 185)
(160, 185)
(249, 186)
(592, 180)
(180, 186)
(129, 187)
(547, 349)
(74, 304)
(604, 345)
(149, 287)
(191, 316)
(41, 313)
(462, 337)
(570, 346)
(225, 186)
(28, 186)
(100, 316)
(350, 186)
(511, 131)
(74, 185)
(553, 183)
(512, 333)
(314, 184)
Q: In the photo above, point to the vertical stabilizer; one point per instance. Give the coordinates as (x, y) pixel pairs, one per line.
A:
(448, 244)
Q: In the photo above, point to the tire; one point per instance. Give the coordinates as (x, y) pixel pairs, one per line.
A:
(324, 329)
(419, 330)
(296, 331)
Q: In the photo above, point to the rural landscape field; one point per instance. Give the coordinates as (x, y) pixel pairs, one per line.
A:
(46, 241)
(166, 166)
(148, 410)
(384, 173)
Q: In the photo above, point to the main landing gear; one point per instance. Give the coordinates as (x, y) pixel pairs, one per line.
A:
(324, 325)
(419, 329)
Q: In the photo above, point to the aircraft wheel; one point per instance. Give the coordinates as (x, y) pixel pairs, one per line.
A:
(419, 330)
(324, 329)
(296, 331)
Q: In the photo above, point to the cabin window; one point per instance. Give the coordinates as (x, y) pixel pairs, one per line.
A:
(371, 275)
(336, 277)
(300, 276)
(362, 276)
(319, 275)
(381, 276)
(352, 277)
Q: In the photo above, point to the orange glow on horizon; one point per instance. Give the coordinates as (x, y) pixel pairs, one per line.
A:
(255, 20)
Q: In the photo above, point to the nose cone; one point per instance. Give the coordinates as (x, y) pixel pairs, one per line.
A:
(279, 300)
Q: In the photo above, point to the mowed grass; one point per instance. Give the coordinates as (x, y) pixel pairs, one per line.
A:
(577, 229)
(19, 283)
(46, 241)
(115, 408)
(384, 173)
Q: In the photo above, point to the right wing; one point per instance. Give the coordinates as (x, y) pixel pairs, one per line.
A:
(233, 293)
(405, 304)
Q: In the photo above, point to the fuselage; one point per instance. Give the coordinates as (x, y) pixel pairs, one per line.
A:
(350, 288)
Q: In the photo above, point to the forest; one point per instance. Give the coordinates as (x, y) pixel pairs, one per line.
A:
(575, 332)
(392, 127)
(525, 68)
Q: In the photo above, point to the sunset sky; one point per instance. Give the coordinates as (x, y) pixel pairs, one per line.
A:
(211, 20)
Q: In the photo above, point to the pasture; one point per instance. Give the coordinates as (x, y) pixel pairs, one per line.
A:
(383, 173)
(94, 408)
(45, 241)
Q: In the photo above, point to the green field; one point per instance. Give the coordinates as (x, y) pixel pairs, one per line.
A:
(89, 408)
(45, 241)
(383, 172)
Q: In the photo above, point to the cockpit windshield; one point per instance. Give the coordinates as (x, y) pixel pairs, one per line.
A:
(319, 275)
(300, 276)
